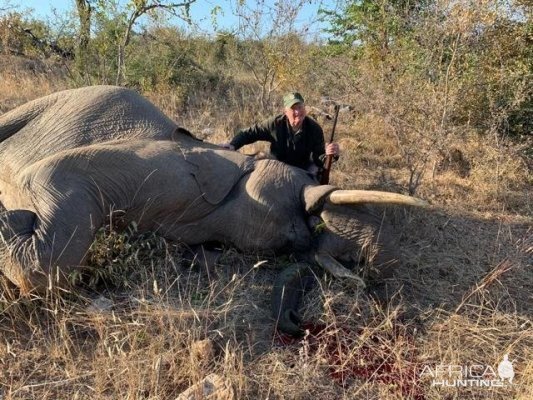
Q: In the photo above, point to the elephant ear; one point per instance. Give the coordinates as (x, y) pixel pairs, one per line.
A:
(217, 170)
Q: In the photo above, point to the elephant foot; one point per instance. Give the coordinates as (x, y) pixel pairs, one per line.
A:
(16, 228)
(24, 259)
(16, 225)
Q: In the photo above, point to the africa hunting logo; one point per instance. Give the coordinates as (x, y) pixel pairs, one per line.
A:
(470, 375)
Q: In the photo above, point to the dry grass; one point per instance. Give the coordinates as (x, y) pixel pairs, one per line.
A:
(463, 298)
(25, 79)
(498, 177)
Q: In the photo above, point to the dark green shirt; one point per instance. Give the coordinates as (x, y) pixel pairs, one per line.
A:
(299, 149)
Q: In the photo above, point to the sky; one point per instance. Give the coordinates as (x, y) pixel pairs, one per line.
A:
(201, 12)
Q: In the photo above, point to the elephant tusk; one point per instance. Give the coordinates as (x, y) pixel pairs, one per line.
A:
(336, 269)
(373, 197)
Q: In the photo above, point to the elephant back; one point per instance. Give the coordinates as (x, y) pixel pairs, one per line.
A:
(77, 118)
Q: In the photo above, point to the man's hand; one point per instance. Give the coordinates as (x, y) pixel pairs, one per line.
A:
(332, 149)
(228, 146)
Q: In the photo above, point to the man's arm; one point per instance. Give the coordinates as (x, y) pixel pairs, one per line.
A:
(261, 131)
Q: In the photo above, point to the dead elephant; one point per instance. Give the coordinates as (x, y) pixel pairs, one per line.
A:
(68, 158)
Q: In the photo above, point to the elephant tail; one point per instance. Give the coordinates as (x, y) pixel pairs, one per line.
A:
(13, 121)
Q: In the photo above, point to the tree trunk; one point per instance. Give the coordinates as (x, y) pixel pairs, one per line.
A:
(82, 52)
(122, 47)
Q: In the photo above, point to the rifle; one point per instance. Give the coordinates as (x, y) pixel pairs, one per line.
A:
(324, 177)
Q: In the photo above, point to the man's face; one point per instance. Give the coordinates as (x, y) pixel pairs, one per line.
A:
(296, 115)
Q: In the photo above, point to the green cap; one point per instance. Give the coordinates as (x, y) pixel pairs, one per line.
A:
(291, 99)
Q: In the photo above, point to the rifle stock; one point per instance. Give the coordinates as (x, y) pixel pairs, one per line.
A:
(324, 177)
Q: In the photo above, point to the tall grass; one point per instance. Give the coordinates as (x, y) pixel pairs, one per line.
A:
(150, 325)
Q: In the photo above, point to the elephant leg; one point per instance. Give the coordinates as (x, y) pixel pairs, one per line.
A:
(34, 255)
(289, 288)
(16, 229)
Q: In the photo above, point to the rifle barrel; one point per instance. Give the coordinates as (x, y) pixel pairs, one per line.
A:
(324, 179)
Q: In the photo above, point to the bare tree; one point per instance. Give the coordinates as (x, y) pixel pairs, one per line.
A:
(6, 6)
(274, 38)
(85, 9)
(140, 8)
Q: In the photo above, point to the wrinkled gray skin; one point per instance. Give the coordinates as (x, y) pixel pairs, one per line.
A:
(67, 159)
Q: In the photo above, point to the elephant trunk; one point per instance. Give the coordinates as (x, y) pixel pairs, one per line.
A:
(287, 293)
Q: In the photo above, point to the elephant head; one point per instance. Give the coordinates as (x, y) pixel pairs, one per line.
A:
(281, 208)
(347, 231)
(353, 232)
